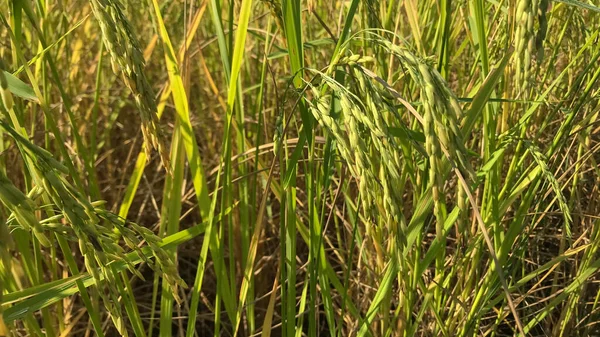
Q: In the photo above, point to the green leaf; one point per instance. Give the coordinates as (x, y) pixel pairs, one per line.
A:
(580, 5)
(19, 88)
(384, 290)
(483, 95)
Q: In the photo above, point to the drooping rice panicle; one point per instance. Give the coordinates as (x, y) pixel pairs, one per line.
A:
(127, 58)
(93, 227)
(274, 7)
(528, 40)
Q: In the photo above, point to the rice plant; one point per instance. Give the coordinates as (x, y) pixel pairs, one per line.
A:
(321, 168)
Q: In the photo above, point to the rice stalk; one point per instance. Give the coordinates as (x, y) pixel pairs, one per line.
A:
(6, 98)
(6, 241)
(5, 270)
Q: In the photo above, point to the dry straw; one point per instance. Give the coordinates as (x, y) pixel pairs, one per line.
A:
(126, 56)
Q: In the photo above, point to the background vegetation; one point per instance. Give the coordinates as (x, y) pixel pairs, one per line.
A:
(299, 168)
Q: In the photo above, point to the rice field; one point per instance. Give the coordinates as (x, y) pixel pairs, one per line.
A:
(299, 168)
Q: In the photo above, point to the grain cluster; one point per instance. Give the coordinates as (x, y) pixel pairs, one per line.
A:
(127, 58)
(97, 231)
(529, 38)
